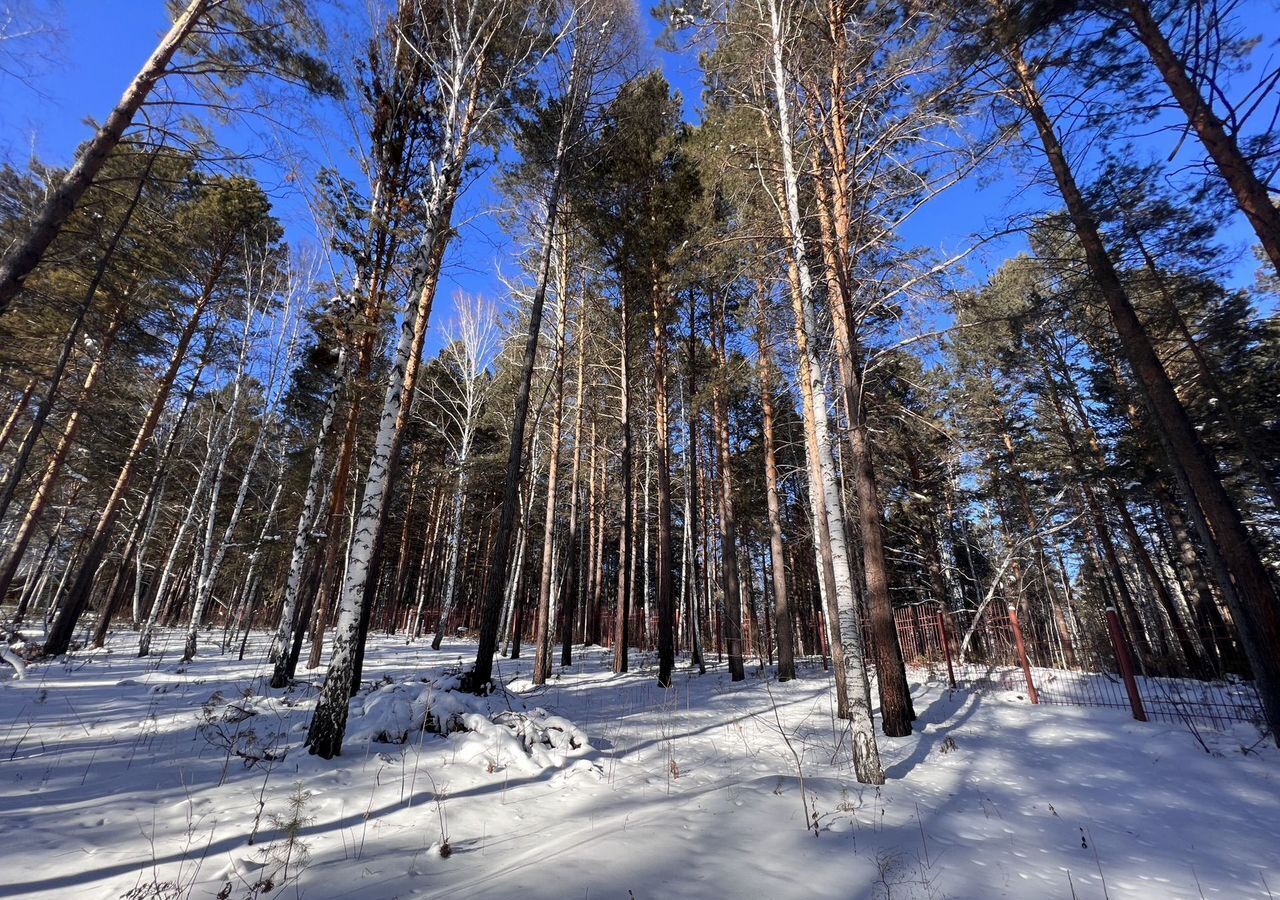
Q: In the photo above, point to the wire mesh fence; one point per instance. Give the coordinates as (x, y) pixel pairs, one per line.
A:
(984, 656)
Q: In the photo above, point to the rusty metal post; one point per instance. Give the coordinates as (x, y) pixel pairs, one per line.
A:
(1125, 664)
(1022, 654)
(946, 645)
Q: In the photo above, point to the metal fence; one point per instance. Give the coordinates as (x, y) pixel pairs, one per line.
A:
(995, 660)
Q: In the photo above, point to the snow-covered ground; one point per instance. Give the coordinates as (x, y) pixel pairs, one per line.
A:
(135, 778)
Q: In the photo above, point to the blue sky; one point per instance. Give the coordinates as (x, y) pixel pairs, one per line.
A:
(102, 43)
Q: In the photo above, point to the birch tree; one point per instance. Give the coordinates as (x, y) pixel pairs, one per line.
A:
(458, 395)
(262, 292)
(476, 55)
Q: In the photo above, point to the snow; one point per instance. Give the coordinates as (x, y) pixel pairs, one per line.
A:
(11, 658)
(122, 777)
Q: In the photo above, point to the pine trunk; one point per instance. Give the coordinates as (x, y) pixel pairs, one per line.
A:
(1256, 609)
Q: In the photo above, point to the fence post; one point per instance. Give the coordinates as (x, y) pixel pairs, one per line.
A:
(946, 645)
(1121, 647)
(1022, 654)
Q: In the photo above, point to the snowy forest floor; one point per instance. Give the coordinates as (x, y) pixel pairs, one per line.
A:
(132, 778)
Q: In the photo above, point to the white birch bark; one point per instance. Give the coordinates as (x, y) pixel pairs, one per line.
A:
(451, 560)
(468, 357)
(471, 80)
(866, 755)
(144, 541)
(331, 710)
(308, 519)
(179, 542)
(281, 357)
(247, 591)
(329, 722)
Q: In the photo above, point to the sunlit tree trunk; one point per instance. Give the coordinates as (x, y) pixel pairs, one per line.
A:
(77, 598)
(866, 755)
(1256, 609)
(1250, 191)
(25, 254)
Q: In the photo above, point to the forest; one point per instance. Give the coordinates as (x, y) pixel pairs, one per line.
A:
(845, 405)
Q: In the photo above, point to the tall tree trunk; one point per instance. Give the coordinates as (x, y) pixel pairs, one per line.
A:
(640, 561)
(491, 604)
(1251, 193)
(621, 634)
(324, 736)
(77, 598)
(728, 520)
(569, 591)
(545, 621)
(691, 506)
(1256, 609)
(777, 553)
(665, 597)
(897, 711)
(867, 765)
(452, 542)
(26, 253)
(308, 519)
(592, 632)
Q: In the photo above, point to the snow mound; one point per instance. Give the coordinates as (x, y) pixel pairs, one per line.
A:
(403, 712)
(13, 659)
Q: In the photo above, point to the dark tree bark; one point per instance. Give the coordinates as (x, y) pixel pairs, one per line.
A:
(665, 598)
(1256, 608)
(728, 521)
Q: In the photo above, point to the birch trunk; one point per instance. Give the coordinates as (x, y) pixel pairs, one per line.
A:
(77, 598)
(324, 737)
(179, 541)
(866, 755)
(308, 519)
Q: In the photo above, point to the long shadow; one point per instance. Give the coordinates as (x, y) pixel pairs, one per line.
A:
(938, 712)
(1027, 743)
